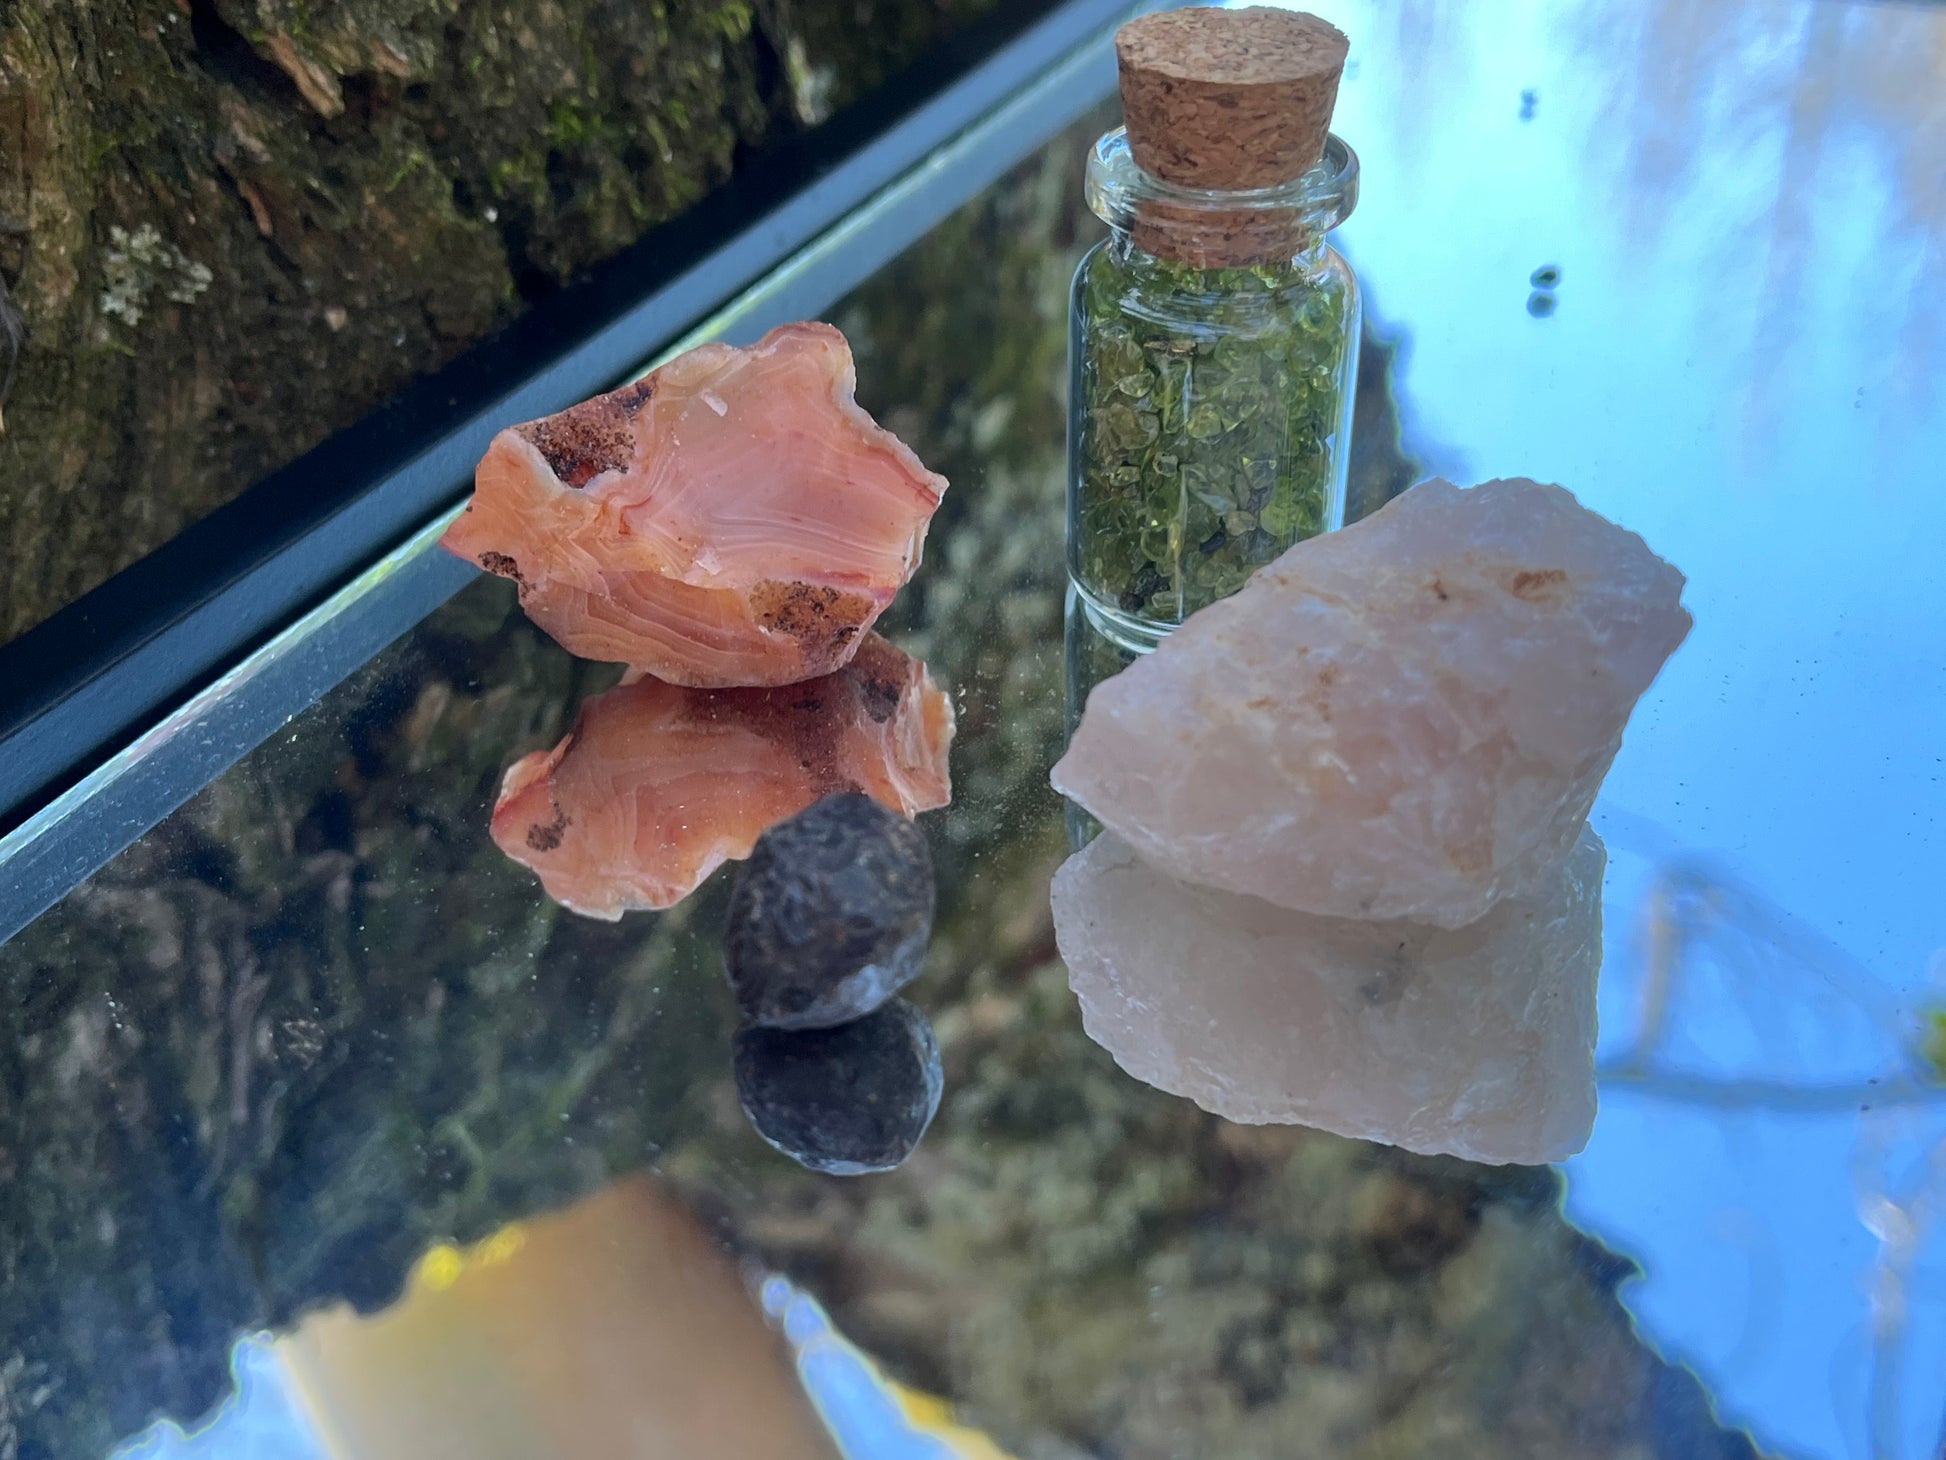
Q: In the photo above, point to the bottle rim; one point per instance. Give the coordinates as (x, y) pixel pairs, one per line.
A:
(1119, 191)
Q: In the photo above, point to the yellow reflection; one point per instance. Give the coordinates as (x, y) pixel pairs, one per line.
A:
(616, 1328)
(934, 1416)
(440, 1268)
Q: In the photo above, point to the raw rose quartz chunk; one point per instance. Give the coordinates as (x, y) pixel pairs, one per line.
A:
(1406, 719)
(659, 784)
(734, 518)
(1476, 1042)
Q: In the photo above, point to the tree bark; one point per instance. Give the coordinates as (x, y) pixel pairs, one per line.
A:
(229, 228)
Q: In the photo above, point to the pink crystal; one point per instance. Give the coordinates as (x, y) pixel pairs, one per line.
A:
(1476, 1042)
(659, 784)
(1406, 719)
(734, 518)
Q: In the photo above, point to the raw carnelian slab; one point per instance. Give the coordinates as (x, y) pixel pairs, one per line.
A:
(733, 518)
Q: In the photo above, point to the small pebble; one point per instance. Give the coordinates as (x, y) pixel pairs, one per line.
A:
(830, 916)
(843, 1101)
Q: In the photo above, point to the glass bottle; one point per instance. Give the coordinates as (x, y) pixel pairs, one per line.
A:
(1089, 657)
(1213, 352)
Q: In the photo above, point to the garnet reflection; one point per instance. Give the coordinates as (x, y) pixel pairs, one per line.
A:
(831, 915)
(830, 918)
(658, 785)
(846, 1100)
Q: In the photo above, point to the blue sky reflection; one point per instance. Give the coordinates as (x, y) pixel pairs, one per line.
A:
(1746, 363)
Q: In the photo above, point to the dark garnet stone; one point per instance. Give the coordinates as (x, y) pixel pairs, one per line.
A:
(844, 1101)
(830, 916)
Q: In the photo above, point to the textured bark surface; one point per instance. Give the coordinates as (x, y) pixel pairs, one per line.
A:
(316, 1023)
(229, 228)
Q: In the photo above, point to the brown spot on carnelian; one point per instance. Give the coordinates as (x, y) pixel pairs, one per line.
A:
(630, 399)
(586, 440)
(880, 698)
(547, 838)
(879, 673)
(822, 619)
(808, 720)
(501, 564)
(796, 722)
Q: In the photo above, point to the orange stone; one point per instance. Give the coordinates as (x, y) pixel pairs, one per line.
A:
(733, 518)
(659, 784)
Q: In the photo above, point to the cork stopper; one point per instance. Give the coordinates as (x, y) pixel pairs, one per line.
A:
(1229, 98)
